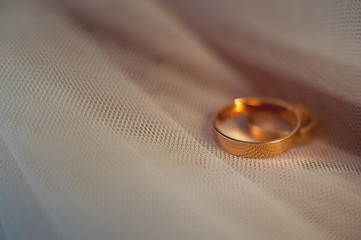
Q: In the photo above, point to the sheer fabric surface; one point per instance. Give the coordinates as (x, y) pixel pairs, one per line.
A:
(106, 111)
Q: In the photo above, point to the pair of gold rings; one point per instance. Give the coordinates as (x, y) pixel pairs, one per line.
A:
(269, 143)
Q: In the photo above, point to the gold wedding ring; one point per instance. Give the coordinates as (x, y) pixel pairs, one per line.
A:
(308, 124)
(257, 107)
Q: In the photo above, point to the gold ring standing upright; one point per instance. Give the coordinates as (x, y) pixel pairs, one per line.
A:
(308, 125)
(257, 107)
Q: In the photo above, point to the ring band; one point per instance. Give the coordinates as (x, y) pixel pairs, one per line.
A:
(257, 107)
(308, 124)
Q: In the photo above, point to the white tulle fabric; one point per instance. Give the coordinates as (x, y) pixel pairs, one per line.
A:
(106, 110)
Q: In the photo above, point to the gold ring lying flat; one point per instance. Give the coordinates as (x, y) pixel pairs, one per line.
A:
(308, 124)
(257, 107)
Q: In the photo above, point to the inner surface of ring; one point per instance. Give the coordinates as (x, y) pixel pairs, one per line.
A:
(264, 132)
(255, 108)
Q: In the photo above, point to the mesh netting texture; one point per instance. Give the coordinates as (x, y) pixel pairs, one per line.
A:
(106, 119)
